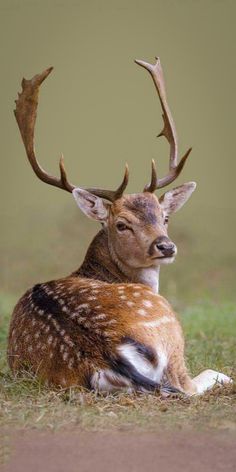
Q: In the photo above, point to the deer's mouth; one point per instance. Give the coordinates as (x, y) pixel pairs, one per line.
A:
(164, 259)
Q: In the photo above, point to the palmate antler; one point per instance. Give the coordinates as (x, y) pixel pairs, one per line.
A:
(26, 113)
(168, 131)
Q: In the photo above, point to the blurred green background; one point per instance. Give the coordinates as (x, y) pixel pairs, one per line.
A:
(101, 110)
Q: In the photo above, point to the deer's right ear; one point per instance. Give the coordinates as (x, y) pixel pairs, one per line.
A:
(92, 206)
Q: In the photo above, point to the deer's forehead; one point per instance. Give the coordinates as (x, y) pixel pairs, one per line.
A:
(145, 208)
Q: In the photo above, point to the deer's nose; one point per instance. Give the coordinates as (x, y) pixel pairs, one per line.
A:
(165, 246)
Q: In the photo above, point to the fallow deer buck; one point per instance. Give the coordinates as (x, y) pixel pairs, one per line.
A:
(104, 326)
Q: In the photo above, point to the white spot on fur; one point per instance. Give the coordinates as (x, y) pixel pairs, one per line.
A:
(121, 290)
(83, 305)
(147, 303)
(129, 303)
(156, 323)
(56, 324)
(37, 335)
(41, 312)
(100, 316)
(47, 329)
(65, 356)
(50, 339)
(62, 347)
(62, 332)
(123, 297)
(136, 294)
(142, 312)
(51, 355)
(30, 348)
(71, 362)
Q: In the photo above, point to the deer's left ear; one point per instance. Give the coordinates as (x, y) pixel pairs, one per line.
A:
(92, 206)
(173, 200)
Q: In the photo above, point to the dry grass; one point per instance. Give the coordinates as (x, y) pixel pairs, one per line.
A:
(210, 333)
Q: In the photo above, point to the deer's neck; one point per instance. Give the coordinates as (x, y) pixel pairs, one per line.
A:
(103, 264)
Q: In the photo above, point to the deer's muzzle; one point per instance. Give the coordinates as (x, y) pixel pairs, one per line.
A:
(162, 247)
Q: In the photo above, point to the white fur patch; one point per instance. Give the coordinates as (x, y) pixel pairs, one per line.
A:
(129, 303)
(155, 323)
(142, 312)
(83, 305)
(142, 365)
(100, 316)
(147, 303)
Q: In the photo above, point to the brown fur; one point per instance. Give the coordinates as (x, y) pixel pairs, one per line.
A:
(67, 345)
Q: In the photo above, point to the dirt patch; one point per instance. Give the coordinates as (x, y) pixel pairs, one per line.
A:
(119, 452)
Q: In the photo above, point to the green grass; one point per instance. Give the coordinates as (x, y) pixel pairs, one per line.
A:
(210, 331)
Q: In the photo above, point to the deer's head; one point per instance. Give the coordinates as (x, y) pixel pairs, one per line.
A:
(136, 223)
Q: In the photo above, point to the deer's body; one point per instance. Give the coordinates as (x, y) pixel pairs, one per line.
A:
(105, 326)
(77, 331)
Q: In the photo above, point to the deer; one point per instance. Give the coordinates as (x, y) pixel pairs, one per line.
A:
(105, 327)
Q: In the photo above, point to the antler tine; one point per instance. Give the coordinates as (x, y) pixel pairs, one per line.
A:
(112, 195)
(26, 114)
(169, 130)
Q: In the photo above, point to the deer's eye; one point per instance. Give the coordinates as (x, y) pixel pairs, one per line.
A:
(121, 226)
(166, 220)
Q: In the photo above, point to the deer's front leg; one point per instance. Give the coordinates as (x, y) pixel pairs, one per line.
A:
(178, 375)
(208, 379)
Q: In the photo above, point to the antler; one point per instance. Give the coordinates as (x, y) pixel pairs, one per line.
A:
(168, 131)
(26, 113)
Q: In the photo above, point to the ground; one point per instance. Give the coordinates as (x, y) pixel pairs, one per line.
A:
(31, 410)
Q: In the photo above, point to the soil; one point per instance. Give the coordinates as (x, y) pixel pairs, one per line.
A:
(74, 451)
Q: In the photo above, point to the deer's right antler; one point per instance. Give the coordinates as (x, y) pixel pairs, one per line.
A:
(168, 131)
(26, 113)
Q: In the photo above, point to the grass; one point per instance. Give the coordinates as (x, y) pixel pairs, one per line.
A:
(210, 342)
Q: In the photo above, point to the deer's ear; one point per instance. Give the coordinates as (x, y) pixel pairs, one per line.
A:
(173, 200)
(93, 207)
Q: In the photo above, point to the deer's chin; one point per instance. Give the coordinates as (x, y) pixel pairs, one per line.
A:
(164, 260)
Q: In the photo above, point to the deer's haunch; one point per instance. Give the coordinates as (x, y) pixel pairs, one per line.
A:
(105, 326)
